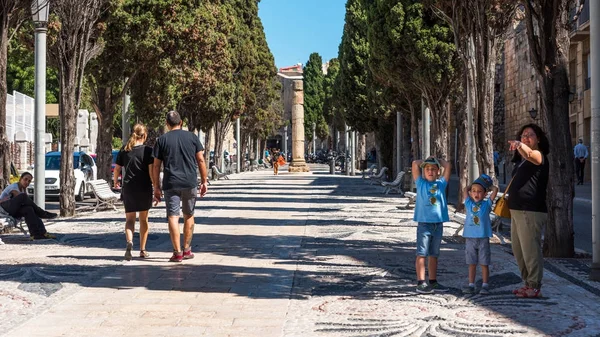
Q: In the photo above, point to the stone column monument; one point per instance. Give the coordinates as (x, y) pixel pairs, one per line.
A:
(298, 163)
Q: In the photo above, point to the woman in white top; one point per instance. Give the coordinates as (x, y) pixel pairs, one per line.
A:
(15, 202)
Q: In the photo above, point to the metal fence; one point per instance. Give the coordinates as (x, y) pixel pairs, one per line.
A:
(20, 128)
(19, 116)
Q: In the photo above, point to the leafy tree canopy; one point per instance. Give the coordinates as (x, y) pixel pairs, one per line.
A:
(314, 94)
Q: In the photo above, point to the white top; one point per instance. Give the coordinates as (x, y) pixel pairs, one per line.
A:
(7, 191)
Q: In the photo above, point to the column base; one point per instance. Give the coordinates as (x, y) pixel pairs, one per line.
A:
(298, 166)
(595, 272)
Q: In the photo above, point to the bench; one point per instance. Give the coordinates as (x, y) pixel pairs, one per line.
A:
(412, 199)
(378, 179)
(103, 194)
(8, 223)
(394, 186)
(370, 172)
(218, 175)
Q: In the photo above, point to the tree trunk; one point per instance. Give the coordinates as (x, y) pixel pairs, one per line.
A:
(68, 122)
(559, 238)
(242, 150)
(462, 160)
(484, 112)
(207, 135)
(362, 147)
(105, 109)
(384, 136)
(406, 142)
(414, 133)
(221, 130)
(439, 125)
(549, 46)
(4, 141)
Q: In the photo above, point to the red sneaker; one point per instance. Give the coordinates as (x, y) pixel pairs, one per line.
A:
(530, 293)
(177, 257)
(188, 254)
(520, 290)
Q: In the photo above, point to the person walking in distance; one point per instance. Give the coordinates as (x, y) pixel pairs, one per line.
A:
(179, 152)
(581, 153)
(136, 160)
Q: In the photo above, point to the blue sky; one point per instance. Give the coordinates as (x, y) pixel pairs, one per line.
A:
(295, 29)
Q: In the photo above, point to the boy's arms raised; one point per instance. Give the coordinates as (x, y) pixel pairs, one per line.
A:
(447, 169)
(494, 190)
(416, 169)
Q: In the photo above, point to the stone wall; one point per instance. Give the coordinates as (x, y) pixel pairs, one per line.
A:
(499, 138)
(520, 84)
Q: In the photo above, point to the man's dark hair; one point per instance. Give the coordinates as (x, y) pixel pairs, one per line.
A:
(25, 174)
(173, 118)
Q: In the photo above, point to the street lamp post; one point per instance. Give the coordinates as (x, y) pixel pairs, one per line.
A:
(314, 140)
(239, 144)
(39, 10)
(595, 153)
(285, 141)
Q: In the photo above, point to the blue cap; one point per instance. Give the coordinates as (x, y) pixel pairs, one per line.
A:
(430, 161)
(485, 181)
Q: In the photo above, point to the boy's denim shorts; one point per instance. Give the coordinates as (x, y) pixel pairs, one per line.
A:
(477, 251)
(429, 238)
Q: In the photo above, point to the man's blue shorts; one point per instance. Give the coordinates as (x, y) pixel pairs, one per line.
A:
(429, 238)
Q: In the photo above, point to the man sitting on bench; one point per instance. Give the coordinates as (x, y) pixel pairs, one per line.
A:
(16, 203)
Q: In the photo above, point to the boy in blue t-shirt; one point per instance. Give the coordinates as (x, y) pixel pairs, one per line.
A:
(478, 230)
(431, 211)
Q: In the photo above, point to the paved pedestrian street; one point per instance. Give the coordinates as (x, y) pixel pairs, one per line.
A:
(288, 255)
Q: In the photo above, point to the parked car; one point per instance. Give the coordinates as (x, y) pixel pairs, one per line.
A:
(84, 168)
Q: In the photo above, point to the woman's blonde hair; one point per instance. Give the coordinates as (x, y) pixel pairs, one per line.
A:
(139, 132)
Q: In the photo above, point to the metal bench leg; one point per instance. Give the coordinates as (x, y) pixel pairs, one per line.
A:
(19, 225)
(458, 230)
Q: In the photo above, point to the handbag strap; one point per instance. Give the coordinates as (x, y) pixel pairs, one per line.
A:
(510, 182)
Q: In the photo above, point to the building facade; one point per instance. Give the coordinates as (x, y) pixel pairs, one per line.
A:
(521, 83)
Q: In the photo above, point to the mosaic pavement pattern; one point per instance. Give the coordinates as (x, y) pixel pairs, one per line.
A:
(30, 284)
(356, 278)
(354, 267)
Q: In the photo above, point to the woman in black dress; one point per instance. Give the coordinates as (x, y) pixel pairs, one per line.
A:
(135, 159)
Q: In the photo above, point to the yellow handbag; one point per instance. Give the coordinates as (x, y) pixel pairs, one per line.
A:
(501, 208)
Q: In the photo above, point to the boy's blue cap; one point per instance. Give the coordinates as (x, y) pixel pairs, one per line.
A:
(485, 181)
(430, 161)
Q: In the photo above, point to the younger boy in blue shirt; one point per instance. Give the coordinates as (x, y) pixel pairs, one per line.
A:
(431, 211)
(478, 230)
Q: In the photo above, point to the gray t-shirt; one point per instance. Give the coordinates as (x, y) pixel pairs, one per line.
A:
(7, 191)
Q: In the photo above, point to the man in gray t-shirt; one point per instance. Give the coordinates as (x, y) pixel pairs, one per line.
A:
(179, 152)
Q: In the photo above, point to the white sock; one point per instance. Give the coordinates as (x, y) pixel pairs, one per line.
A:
(484, 285)
(471, 284)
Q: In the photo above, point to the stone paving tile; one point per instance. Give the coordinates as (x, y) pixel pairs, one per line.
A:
(330, 256)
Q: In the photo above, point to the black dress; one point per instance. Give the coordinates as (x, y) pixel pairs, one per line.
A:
(137, 185)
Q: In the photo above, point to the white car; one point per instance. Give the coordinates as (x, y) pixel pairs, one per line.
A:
(84, 168)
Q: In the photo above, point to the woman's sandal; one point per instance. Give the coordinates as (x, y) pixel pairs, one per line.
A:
(144, 254)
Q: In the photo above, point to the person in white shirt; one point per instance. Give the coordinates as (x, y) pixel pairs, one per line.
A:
(581, 153)
(15, 202)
